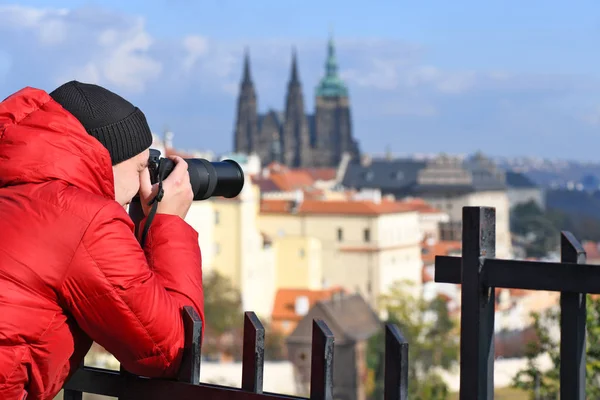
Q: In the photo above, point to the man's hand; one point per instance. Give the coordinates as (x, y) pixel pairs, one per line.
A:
(178, 194)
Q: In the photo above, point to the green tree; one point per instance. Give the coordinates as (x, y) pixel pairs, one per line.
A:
(223, 315)
(584, 227)
(432, 338)
(275, 348)
(529, 219)
(545, 385)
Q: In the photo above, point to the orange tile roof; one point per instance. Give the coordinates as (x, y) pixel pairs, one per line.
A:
(441, 248)
(320, 174)
(421, 206)
(285, 301)
(591, 249)
(334, 207)
(292, 180)
(372, 249)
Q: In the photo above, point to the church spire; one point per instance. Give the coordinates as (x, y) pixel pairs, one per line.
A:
(331, 66)
(294, 79)
(331, 85)
(246, 78)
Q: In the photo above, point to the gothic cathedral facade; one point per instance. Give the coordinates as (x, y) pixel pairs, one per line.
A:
(292, 137)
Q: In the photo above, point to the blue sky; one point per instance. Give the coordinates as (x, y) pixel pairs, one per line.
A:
(505, 77)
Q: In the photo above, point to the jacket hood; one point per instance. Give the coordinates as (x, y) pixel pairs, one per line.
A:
(40, 141)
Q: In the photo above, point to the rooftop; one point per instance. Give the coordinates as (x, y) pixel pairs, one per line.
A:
(284, 306)
(349, 317)
(335, 207)
(401, 176)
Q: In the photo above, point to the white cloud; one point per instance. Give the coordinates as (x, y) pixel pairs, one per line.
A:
(196, 47)
(117, 55)
(126, 62)
(48, 23)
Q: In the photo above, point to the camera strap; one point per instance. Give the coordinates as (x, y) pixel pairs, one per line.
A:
(162, 173)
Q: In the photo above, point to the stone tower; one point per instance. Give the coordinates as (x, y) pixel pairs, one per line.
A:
(295, 135)
(246, 127)
(333, 124)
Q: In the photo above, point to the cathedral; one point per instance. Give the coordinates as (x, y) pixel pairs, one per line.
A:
(292, 137)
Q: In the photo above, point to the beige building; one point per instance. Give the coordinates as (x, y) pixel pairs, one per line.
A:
(453, 205)
(232, 245)
(240, 251)
(365, 245)
(201, 217)
(298, 262)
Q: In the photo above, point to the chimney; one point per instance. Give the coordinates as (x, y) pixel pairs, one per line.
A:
(302, 306)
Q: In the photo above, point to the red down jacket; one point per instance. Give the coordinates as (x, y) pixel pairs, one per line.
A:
(71, 269)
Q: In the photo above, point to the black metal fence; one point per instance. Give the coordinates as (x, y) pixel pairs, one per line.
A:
(187, 386)
(479, 273)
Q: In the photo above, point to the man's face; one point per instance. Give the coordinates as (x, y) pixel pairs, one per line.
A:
(127, 177)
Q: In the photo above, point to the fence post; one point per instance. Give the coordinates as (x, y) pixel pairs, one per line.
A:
(70, 394)
(189, 371)
(253, 359)
(477, 308)
(572, 326)
(396, 364)
(321, 365)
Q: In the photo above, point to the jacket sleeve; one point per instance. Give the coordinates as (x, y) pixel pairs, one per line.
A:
(130, 305)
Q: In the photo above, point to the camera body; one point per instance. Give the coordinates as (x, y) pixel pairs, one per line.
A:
(209, 179)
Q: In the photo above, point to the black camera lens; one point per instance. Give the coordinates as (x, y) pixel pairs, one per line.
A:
(208, 179)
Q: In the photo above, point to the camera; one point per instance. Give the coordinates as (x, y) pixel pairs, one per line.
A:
(224, 178)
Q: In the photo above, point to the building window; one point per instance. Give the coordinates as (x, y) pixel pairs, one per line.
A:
(217, 248)
(301, 253)
(217, 217)
(340, 234)
(367, 234)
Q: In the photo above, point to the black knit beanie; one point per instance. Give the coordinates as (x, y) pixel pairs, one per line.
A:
(121, 127)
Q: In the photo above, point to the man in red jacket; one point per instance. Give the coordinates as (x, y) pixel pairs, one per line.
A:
(71, 268)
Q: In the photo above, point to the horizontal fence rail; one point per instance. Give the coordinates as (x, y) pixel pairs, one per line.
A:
(123, 385)
(479, 273)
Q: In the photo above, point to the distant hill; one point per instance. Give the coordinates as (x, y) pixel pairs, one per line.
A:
(553, 173)
(574, 202)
